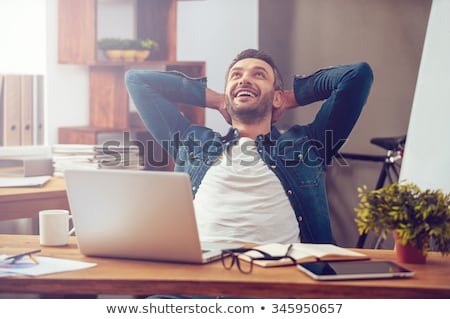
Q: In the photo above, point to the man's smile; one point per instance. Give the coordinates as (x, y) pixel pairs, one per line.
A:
(245, 94)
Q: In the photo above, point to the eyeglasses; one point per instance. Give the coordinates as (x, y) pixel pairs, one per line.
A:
(229, 257)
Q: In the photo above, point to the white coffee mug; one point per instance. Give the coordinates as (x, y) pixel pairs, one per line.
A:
(54, 227)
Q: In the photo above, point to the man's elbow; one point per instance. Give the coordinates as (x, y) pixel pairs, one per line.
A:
(132, 76)
(363, 72)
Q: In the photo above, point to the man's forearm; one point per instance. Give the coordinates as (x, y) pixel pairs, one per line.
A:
(319, 85)
(213, 99)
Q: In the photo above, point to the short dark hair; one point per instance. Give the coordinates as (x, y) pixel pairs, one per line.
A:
(261, 55)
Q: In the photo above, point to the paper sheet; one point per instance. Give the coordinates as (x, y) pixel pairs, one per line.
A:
(24, 181)
(47, 265)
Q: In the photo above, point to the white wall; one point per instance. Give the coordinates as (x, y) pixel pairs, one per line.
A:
(67, 86)
(23, 36)
(427, 151)
(108, 13)
(215, 31)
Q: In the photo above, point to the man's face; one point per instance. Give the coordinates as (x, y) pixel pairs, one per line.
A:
(250, 90)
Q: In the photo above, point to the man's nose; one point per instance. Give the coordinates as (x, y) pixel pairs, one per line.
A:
(245, 79)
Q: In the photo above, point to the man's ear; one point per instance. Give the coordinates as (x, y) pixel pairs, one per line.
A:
(278, 99)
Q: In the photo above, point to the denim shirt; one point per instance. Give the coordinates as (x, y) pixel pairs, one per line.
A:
(298, 157)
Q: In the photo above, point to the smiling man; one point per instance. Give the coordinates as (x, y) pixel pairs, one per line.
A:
(255, 184)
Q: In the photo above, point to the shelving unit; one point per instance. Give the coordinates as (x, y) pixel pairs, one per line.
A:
(109, 109)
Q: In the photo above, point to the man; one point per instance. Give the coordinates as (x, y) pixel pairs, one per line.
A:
(255, 184)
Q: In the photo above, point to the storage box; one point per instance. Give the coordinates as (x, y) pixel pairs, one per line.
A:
(27, 166)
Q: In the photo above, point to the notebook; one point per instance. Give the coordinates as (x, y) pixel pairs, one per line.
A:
(137, 214)
(301, 253)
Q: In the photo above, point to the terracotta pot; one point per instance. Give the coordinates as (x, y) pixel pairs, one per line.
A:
(408, 253)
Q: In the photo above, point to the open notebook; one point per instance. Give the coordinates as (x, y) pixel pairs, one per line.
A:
(301, 252)
(137, 214)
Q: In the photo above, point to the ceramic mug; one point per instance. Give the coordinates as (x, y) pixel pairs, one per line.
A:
(54, 227)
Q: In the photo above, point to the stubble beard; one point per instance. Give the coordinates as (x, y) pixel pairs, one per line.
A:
(253, 114)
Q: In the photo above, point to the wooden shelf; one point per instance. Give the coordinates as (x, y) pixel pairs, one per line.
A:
(150, 63)
(77, 29)
(109, 109)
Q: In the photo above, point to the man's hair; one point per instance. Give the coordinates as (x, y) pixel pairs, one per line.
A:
(261, 55)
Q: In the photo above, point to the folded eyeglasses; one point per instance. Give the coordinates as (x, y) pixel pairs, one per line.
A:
(230, 257)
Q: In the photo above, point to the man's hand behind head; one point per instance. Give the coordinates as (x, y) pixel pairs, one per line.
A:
(215, 100)
(288, 102)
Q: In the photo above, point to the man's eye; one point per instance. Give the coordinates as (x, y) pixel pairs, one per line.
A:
(234, 75)
(260, 74)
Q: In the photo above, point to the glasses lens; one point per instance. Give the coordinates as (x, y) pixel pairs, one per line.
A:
(245, 267)
(227, 259)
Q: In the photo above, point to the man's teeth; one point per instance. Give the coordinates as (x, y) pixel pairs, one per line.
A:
(246, 93)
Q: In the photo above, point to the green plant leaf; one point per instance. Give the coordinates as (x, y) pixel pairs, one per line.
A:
(414, 214)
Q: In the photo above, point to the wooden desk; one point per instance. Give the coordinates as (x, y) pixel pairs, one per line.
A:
(26, 202)
(130, 277)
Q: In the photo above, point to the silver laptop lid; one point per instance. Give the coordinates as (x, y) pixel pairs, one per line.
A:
(134, 214)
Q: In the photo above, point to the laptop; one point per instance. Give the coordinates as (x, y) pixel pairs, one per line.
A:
(137, 214)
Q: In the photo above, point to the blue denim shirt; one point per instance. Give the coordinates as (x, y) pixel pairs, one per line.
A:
(298, 157)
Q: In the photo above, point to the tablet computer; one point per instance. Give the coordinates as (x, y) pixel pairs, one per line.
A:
(361, 269)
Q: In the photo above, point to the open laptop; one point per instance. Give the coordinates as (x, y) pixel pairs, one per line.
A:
(137, 214)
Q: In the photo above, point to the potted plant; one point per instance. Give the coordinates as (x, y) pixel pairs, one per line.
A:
(130, 47)
(144, 48)
(111, 47)
(416, 218)
(148, 44)
(129, 50)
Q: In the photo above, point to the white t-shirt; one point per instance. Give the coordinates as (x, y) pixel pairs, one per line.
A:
(241, 200)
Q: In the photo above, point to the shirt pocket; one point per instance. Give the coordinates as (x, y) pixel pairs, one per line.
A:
(302, 161)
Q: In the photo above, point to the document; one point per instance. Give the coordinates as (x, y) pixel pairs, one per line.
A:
(300, 252)
(34, 181)
(45, 266)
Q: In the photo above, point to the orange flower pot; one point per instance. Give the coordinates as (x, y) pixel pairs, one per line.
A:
(408, 253)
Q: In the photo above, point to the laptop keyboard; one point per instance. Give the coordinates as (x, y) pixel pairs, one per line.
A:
(208, 246)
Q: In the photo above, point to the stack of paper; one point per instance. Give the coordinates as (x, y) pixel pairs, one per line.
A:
(94, 156)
